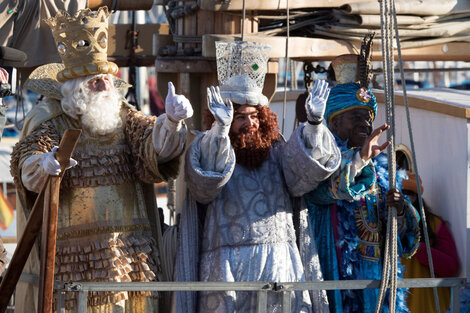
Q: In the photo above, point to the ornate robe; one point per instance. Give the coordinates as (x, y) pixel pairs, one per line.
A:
(247, 218)
(104, 229)
(348, 215)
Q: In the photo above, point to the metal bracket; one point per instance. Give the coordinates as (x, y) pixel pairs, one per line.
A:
(73, 287)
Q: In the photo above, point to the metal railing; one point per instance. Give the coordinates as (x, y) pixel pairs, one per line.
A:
(262, 289)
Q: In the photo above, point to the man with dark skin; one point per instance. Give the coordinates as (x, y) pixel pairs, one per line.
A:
(348, 211)
(355, 127)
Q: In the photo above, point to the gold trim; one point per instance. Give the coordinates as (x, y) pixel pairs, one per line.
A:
(45, 81)
(407, 152)
(352, 108)
(80, 233)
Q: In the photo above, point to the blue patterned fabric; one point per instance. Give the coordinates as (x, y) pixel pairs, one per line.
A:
(464, 300)
(348, 219)
(343, 97)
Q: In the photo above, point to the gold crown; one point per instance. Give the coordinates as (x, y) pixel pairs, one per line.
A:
(82, 43)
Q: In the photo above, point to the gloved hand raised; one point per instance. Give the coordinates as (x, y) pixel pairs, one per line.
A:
(223, 112)
(316, 102)
(51, 166)
(177, 107)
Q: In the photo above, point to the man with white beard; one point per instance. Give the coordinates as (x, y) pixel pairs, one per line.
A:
(105, 232)
(95, 102)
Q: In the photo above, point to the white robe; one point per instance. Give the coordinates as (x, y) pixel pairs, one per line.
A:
(248, 231)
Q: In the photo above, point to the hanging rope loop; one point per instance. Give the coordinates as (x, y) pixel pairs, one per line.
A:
(390, 258)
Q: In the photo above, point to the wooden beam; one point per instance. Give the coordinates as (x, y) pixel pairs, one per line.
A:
(196, 65)
(119, 47)
(123, 61)
(426, 104)
(123, 5)
(317, 49)
(237, 5)
(270, 85)
(184, 65)
(414, 101)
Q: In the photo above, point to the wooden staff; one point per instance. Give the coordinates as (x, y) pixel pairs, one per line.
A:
(44, 213)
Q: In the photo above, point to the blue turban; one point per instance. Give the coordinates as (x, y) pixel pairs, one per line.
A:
(345, 97)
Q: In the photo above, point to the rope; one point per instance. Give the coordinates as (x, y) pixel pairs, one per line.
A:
(171, 205)
(19, 102)
(243, 20)
(286, 69)
(389, 271)
(114, 5)
(413, 155)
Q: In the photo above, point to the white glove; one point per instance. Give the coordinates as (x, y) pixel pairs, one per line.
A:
(177, 107)
(223, 113)
(316, 102)
(51, 166)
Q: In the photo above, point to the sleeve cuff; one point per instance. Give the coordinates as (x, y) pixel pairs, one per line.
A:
(172, 126)
(401, 225)
(359, 163)
(221, 130)
(311, 128)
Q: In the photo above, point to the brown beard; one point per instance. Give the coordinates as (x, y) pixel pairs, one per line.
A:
(251, 150)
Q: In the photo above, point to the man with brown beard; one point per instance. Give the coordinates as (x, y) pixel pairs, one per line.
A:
(105, 229)
(242, 178)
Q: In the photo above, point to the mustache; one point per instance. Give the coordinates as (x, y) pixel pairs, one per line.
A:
(366, 129)
(247, 129)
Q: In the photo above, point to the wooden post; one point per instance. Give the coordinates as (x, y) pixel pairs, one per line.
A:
(49, 223)
(33, 226)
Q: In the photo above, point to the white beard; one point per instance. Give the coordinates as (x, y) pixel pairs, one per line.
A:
(99, 112)
(102, 115)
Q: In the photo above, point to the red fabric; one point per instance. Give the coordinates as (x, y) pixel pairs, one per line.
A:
(335, 223)
(3, 76)
(444, 253)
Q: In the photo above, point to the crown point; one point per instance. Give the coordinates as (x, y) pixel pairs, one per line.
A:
(61, 48)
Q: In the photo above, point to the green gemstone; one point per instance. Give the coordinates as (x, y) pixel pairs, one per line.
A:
(255, 67)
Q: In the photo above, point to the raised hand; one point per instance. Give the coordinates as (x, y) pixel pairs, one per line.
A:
(316, 102)
(223, 113)
(177, 107)
(371, 148)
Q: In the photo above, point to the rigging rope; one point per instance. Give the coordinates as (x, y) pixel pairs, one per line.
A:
(284, 103)
(243, 20)
(389, 271)
(413, 155)
(389, 28)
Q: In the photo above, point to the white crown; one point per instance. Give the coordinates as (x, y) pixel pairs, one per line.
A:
(241, 68)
